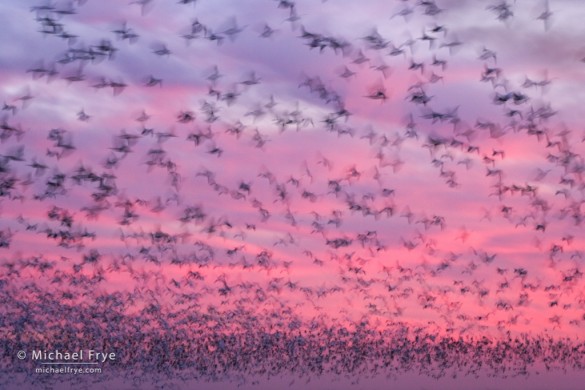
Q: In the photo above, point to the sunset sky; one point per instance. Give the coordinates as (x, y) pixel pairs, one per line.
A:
(338, 163)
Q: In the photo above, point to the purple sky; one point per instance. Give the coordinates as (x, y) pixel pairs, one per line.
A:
(422, 164)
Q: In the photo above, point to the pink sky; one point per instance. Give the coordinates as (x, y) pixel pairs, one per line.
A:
(437, 222)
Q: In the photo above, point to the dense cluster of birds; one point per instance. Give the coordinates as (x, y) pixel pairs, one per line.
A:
(252, 352)
(235, 229)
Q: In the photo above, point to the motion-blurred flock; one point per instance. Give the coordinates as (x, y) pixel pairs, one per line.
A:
(225, 191)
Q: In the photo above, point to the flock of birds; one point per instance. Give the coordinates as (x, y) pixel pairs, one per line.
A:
(232, 229)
